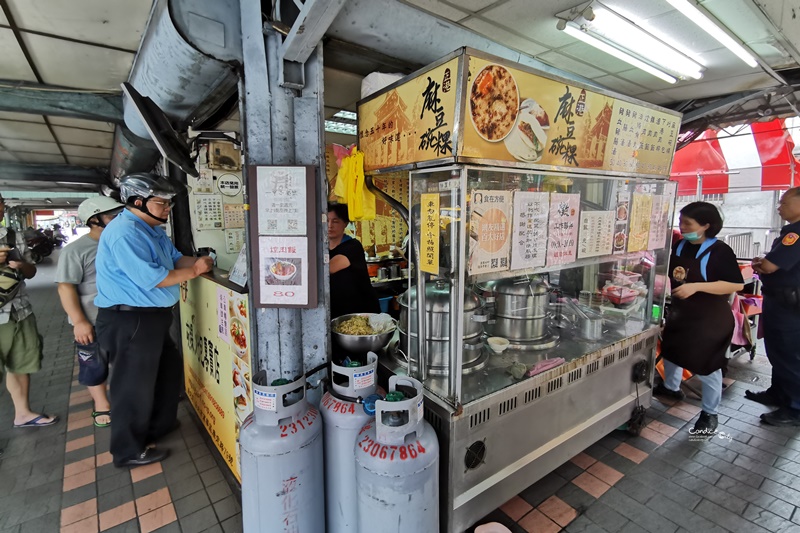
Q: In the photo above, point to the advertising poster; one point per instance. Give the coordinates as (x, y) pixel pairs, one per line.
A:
(217, 365)
(490, 229)
(412, 122)
(284, 270)
(429, 234)
(281, 200)
(639, 233)
(596, 234)
(660, 222)
(562, 235)
(621, 219)
(529, 241)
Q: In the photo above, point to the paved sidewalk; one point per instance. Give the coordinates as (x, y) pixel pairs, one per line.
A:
(60, 478)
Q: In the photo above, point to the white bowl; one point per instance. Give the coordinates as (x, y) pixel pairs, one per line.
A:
(498, 344)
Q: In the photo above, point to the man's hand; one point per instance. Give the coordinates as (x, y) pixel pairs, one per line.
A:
(684, 291)
(202, 265)
(84, 332)
(16, 265)
(4, 254)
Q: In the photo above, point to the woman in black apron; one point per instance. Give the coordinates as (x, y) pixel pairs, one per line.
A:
(704, 273)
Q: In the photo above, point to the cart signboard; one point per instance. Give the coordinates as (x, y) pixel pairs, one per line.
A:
(470, 107)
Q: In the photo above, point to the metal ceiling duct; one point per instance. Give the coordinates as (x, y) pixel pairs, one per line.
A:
(186, 64)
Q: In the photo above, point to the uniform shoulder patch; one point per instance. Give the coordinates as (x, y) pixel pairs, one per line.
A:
(790, 238)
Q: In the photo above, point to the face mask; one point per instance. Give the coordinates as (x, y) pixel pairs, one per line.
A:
(692, 236)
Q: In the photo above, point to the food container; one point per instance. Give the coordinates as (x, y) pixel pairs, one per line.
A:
(383, 273)
(498, 344)
(618, 295)
(360, 344)
(520, 308)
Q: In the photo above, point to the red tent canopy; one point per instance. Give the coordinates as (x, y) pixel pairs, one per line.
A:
(753, 157)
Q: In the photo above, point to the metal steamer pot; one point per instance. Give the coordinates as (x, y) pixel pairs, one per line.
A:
(520, 309)
(437, 334)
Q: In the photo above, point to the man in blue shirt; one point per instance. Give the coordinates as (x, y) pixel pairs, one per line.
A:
(780, 273)
(138, 276)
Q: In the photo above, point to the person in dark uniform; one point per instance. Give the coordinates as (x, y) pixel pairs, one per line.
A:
(704, 273)
(351, 289)
(780, 274)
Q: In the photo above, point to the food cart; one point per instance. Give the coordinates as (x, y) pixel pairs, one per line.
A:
(539, 215)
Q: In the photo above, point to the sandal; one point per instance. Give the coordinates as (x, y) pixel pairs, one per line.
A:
(95, 414)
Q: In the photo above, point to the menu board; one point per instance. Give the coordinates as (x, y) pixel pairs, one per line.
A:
(639, 233)
(597, 233)
(233, 215)
(562, 235)
(284, 270)
(217, 363)
(281, 200)
(621, 218)
(529, 236)
(429, 233)
(490, 229)
(660, 222)
(208, 211)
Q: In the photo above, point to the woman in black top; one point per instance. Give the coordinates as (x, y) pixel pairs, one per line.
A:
(704, 273)
(351, 290)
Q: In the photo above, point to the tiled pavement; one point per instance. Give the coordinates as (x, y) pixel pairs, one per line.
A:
(60, 478)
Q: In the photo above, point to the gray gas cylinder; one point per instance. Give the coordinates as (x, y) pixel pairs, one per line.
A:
(282, 460)
(397, 465)
(344, 417)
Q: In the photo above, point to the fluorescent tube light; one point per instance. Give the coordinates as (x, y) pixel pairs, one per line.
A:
(572, 30)
(340, 127)
(616, 29)
(348, 115)
(707, 25)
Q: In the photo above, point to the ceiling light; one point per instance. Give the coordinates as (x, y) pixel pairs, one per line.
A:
(333, 126)
(573, 30)
(707, 25)
(348, 115)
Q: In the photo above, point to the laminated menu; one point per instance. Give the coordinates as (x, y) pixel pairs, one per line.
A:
(529, 235)
(490, 231)
(562, 237)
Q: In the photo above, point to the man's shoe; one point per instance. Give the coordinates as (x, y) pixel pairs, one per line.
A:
(148, 456)
(766, 397)
(661, 390)
(706, 424)
(783, 416)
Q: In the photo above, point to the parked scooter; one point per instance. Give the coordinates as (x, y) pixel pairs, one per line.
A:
(39, 244)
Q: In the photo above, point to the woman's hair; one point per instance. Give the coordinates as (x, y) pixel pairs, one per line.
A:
(704, 213)
(340, 210)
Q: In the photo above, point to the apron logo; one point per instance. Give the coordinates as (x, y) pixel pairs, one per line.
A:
(790, 239)
(679, 273)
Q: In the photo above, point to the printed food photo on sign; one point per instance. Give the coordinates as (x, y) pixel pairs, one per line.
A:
(238, 337)
(283, 271)
(494, 103)
(528, 139)
(241, 388)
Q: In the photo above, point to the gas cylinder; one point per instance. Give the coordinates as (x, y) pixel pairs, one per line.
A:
(282, 460)
(397, 465)
(344, 417)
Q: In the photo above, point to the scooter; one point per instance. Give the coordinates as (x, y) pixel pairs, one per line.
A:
(39, 245)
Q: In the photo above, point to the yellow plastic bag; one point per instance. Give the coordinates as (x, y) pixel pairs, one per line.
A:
(351, 187)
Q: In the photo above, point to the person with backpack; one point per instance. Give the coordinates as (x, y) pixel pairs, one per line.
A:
(20, 343)
(76, 288)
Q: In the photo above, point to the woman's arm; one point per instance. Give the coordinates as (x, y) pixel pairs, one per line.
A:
(338, 263)
(711, 287)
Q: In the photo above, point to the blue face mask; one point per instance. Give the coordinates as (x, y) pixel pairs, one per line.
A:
(692, 236)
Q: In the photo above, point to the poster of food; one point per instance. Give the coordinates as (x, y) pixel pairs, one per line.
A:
(562, 235)
(410, 123)
(284, 270)
(281, 200)
(217, 370)
(490, 229)
(529, 234)
(639, 233)
(621, 218)
(429, 233)
(660, 222)
(596, 233)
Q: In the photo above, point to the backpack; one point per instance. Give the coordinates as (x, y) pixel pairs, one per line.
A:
(9, 278)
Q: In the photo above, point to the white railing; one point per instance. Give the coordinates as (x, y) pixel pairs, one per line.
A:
(741, 244)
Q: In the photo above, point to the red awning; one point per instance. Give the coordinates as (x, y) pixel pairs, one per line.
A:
(754, 157)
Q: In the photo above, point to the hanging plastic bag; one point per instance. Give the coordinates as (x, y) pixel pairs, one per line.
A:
(740, 338)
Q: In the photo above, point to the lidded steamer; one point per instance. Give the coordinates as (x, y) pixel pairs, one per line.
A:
(397, 465)
(282, 460)
(342, 410)
(520, 308)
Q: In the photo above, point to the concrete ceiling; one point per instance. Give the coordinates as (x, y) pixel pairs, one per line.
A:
(90, 46)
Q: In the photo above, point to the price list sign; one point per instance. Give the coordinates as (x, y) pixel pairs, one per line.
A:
(596, 235)
(641, 140)
(563, 231)
(429, 234)
(660, 221)
(529, 236)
